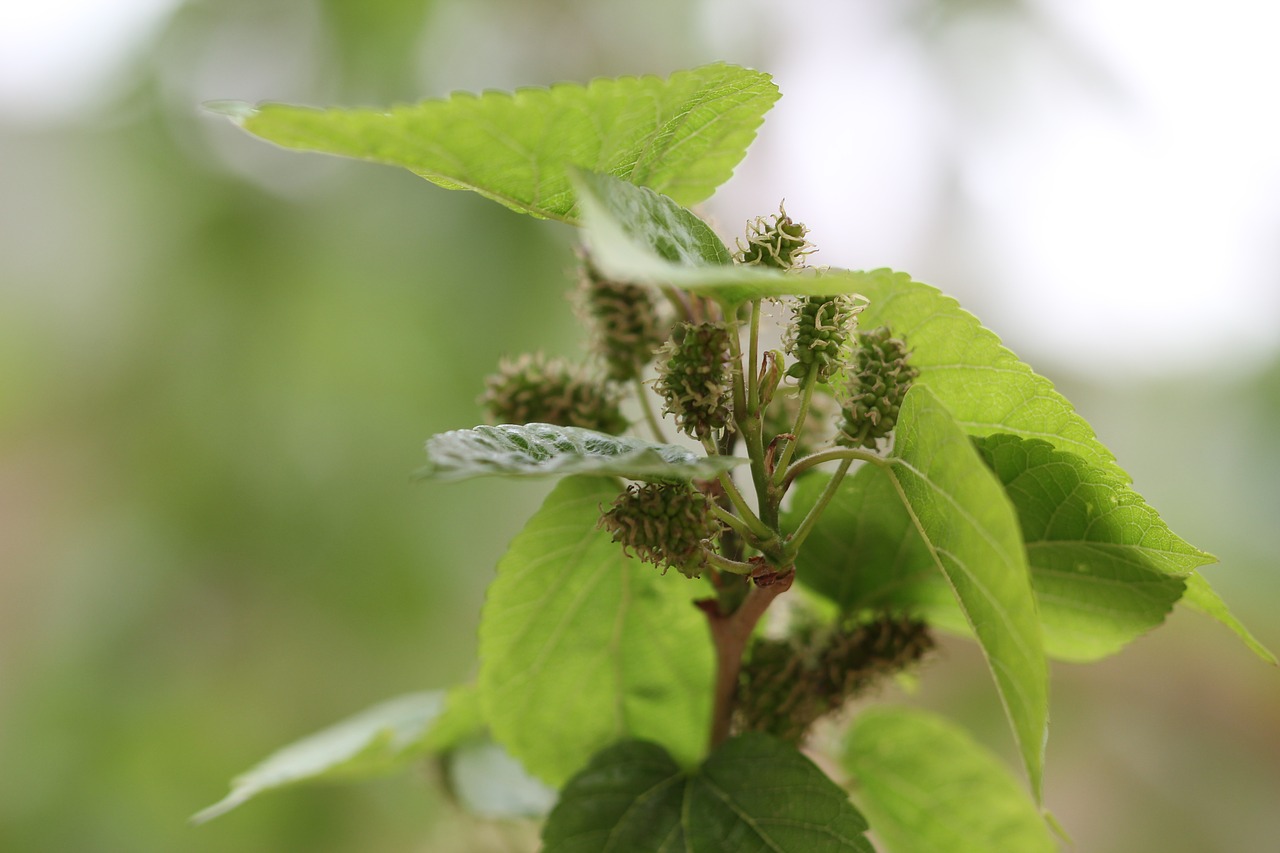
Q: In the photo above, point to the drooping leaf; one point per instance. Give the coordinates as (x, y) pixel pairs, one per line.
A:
(753, 794)
(971, 530)
(1202, 598)
(683, 136)
(928, 787)
(1104, 565)
(489, 783)
(984, 385)
(581, 645)
(640, 236)
(542, 450)
(376, 741)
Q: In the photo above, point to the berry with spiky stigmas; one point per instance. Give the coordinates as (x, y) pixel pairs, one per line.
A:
(818, 334)
(788, 685)
(535, 389)
(625, 327)
(663, 523)
(693, 379)
(879, 377)
(778, 241)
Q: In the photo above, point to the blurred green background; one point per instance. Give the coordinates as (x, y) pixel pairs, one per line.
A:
(218, 362)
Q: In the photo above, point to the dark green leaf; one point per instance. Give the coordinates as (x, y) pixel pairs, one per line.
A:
(581, 645)
(1201, 597)
(754, 794)
(640, 236)
(928, 787)
(540, 450)
(374, 742)
(970, 528)
(682, 136)
(985, 387)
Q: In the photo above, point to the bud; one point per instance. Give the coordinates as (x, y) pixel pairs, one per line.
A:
(770, 377)
(626, 328)
(878, 380)
(693, 378)
(778, 242)
(820, 329)
(663, 523)
(534, 389)
(788, 685)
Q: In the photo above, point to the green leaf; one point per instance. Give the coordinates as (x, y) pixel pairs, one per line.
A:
(1202, 597)
(489, 783)
(1105, 567)
(985, 387)
(754, 794)
(374, 742)
(581, 645)
(640, 236)
(971, 530)
(541, 450)
(928, 787)
(682, 136)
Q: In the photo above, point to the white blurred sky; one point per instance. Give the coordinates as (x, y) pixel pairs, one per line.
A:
(1116, 166)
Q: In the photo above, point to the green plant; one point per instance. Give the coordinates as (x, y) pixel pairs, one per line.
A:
(657, 702)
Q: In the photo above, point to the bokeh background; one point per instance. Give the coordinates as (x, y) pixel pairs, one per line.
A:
(218, 362)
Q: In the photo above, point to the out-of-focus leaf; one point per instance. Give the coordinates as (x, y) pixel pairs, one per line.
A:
(754, 793)
(640, 236)
(540, 450)
(928, 787)
(581, 645)
(489, 783)
(374, 742)
(682, 136)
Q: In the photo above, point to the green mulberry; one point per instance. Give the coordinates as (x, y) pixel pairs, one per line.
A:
(818, 335)
(535, 389)
(625, 327)
(778, 242)
(663, 523)
(693, 379)
(878, 381)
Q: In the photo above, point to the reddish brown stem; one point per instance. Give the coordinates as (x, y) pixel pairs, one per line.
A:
(731, 633)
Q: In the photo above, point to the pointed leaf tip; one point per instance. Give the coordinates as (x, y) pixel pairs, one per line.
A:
(237, 111)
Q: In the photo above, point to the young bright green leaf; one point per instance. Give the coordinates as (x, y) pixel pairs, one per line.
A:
(971, 530)
(982, 383)
(682, 136)
(540, 450)
(374, 742)
(1202, 598)
(640, 236)
(489, 783)
(754, 794)
(1104, 565)
(581, 645)
(928, 787)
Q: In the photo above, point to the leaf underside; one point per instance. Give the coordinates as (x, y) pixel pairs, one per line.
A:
(374, 742)
(543, 450)
(682, 135)
(753, 794)
(581, 645)
(928, 787)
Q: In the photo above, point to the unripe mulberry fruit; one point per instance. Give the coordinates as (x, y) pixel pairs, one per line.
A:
(625, 326)
(693, 378)
(534, 389)
(663, 523)
(778, 242)
(879, 377)
(819, 331)
(788, 685)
